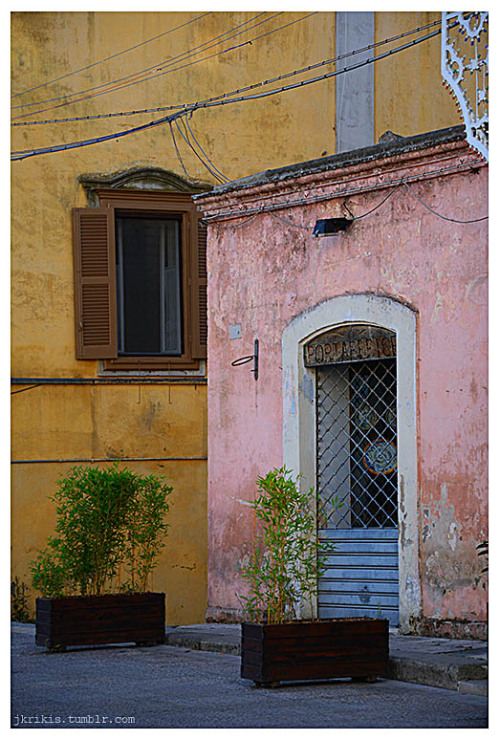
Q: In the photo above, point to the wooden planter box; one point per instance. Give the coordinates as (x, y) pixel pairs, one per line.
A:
(333, 648)
(98, 620)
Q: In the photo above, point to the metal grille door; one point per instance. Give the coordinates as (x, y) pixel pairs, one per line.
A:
(357, 466)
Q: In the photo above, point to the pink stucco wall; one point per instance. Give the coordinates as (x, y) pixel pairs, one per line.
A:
(265, 272)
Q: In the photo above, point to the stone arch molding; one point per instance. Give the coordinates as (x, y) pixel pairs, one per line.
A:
(299, 403)
(139, 178)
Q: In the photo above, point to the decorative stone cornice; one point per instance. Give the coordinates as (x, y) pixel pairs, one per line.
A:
(384, 165)
(139, 178)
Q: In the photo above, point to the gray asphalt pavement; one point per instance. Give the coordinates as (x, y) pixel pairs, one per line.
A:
(176, 687)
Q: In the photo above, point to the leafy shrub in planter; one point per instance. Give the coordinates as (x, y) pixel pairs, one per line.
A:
(19, 610)
(286, 557)
(110, 531)
(285, 561)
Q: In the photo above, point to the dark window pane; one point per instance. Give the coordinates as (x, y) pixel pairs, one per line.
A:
(171, 324)
(357, 444)
(148, 279)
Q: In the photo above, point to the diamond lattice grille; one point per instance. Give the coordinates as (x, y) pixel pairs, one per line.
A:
(357, 444)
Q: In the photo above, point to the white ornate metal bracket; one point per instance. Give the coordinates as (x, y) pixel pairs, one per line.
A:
(464, 67)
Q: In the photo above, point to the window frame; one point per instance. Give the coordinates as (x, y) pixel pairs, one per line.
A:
(115, 201)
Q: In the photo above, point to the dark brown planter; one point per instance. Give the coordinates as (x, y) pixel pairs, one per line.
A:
(333, 648)
(98, 620)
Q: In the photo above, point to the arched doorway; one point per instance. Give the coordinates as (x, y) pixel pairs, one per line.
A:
(396, 323)
(356, 470)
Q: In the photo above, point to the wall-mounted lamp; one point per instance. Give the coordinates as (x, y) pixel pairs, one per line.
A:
(249, 358)
(329, 226)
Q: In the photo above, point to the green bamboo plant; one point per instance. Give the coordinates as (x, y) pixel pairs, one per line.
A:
(109, 533)
(285, 555)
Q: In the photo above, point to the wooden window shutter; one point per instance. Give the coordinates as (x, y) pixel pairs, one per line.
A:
(95, 283)
(199, 293)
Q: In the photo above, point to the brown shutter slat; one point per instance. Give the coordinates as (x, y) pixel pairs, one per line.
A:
(95, 283)
(199, 293)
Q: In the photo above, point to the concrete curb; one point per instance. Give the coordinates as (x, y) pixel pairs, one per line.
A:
(217, 639)
(440, 673)
(456, 665)
(476, 688)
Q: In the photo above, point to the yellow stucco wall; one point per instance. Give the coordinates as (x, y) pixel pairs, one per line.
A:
(66, 422)
(71, 422)
(409, 95)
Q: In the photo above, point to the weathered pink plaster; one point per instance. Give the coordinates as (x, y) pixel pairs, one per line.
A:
(265, 272)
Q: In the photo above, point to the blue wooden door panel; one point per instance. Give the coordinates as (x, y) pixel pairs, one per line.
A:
(379, 611)
(361, 577)
(361, 600)
(370, 586)
(365, 575)
(358, 560)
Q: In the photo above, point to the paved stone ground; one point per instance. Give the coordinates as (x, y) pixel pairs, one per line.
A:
(177, 687)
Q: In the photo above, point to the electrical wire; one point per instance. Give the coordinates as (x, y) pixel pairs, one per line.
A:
(300, 226)
(445, 218)
(160, 74)
(185, 122)
(389, 195)
(114, 84)
(253, 86)
(289, 223)
(177, 150)
(357, 218)
(16, 156)
(157, 66)
(213, 171)
(301, 202)
(113, 89)
(107, 59)
(238, 225)
(326, 76)
(225, 101)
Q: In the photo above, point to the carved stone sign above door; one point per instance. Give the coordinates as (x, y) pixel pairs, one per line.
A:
(349, 344)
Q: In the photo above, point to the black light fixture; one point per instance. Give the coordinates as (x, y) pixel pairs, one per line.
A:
(329, 226)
